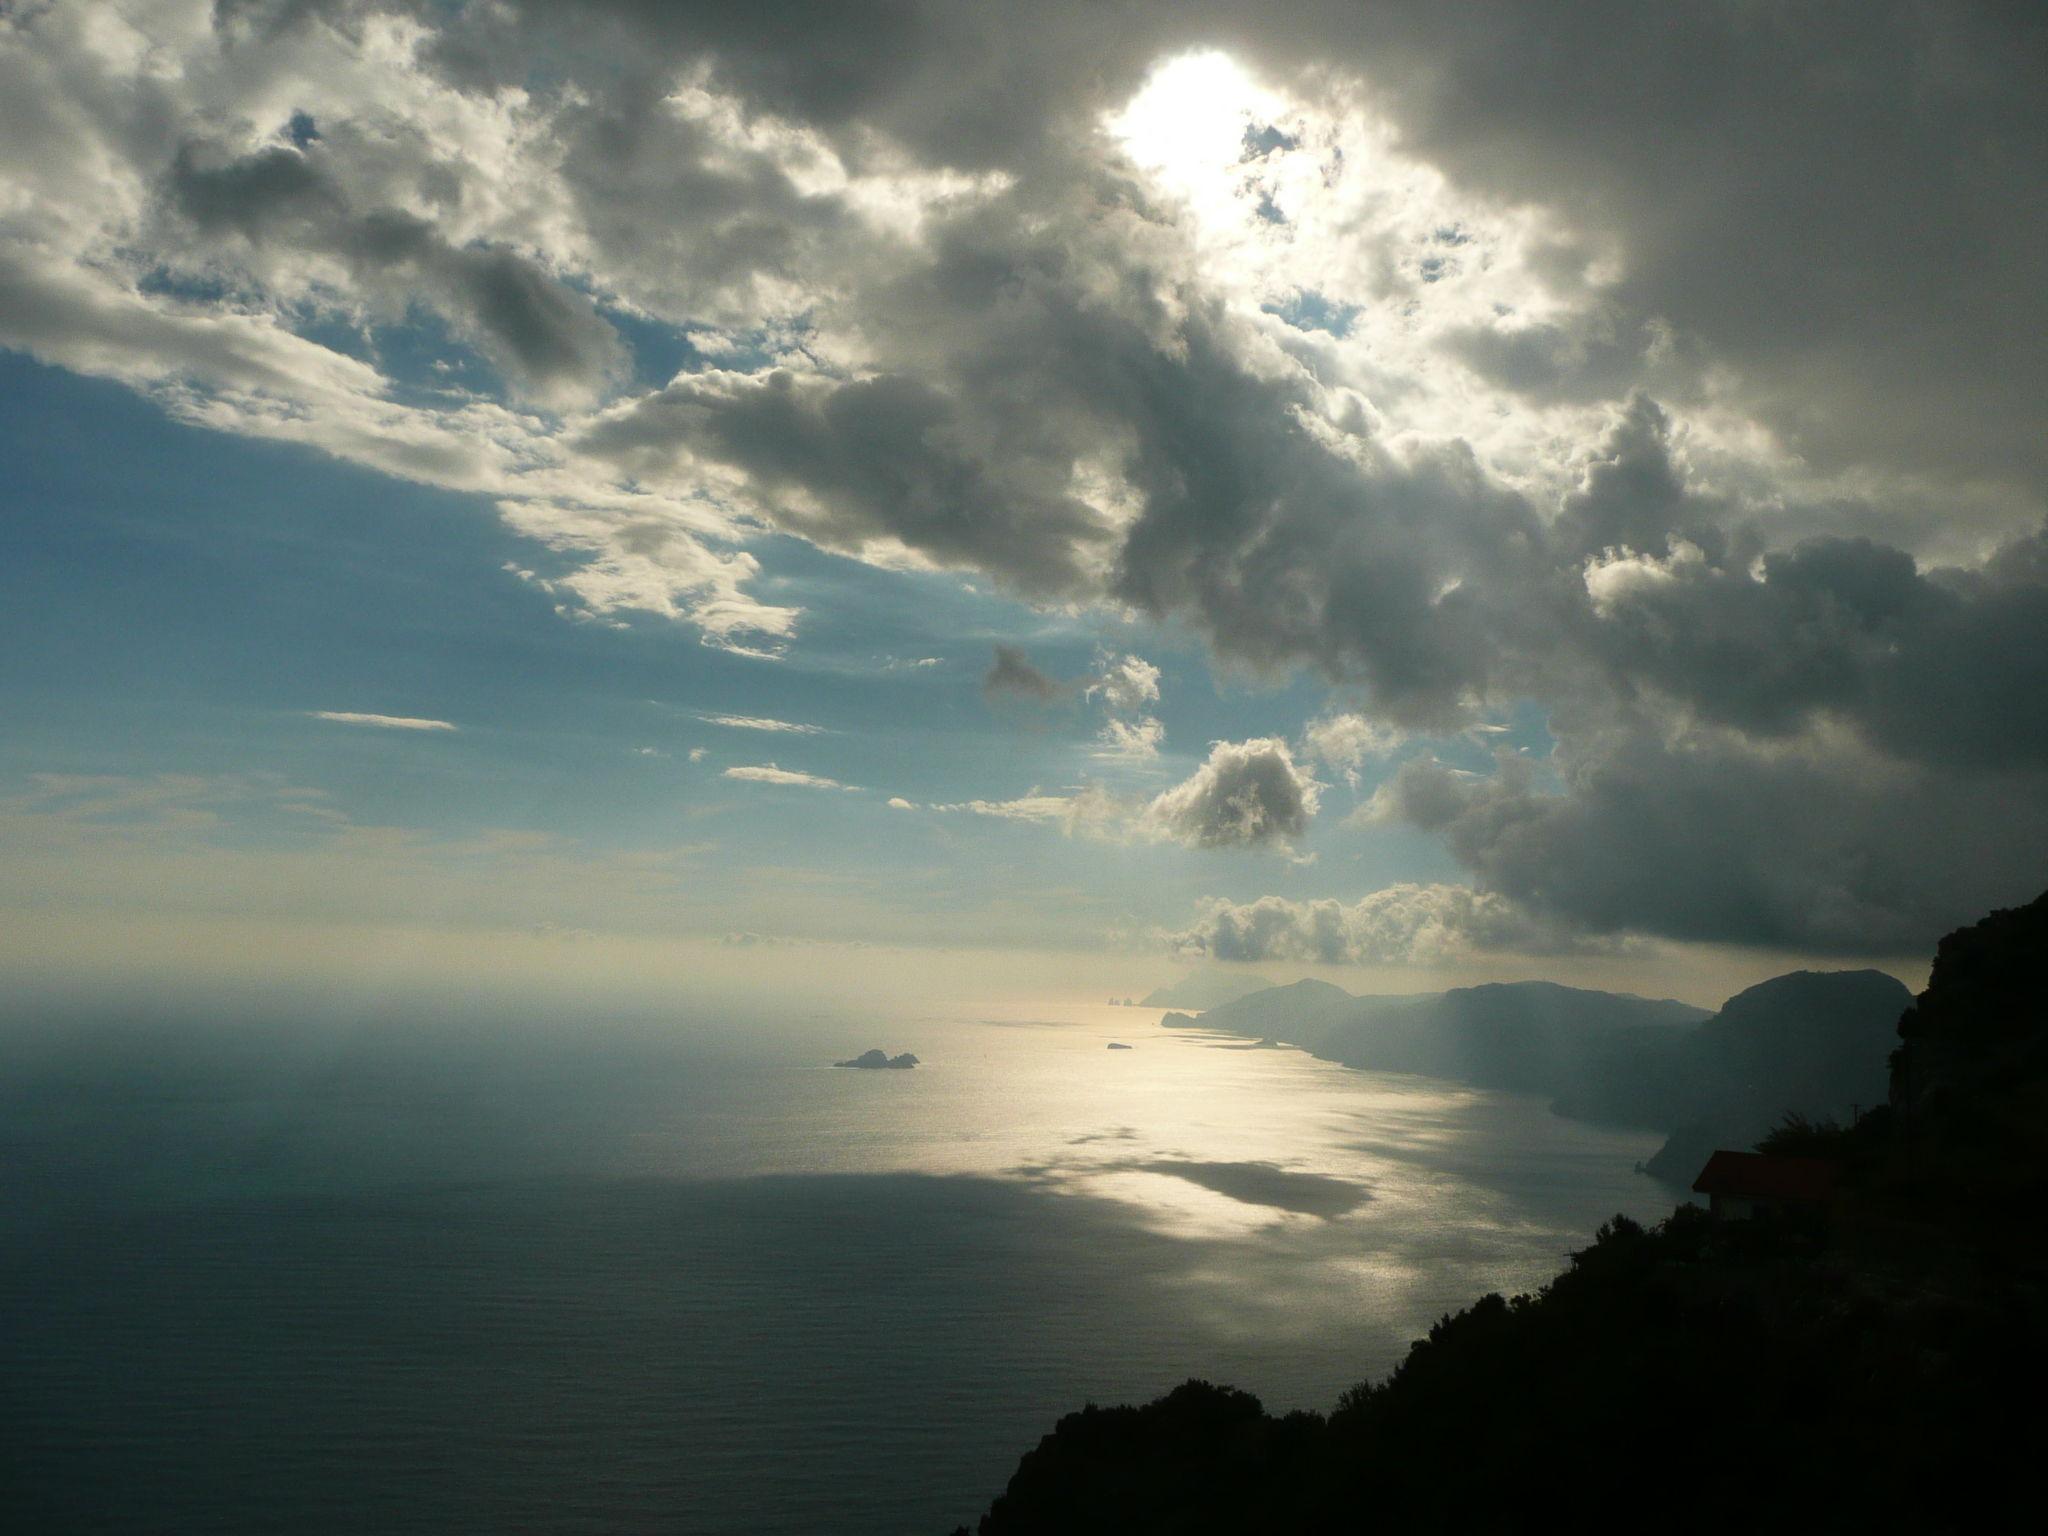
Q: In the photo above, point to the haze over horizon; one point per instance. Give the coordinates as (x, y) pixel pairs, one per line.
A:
(612, 498)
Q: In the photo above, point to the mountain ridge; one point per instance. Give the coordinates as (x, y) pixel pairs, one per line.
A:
(1811, 1043)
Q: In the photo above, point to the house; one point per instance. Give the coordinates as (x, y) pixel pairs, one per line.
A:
(1739, 1185)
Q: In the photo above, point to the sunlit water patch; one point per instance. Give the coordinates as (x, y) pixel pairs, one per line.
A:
(697, 1281)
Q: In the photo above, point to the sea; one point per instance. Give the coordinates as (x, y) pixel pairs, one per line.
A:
(682, 1274)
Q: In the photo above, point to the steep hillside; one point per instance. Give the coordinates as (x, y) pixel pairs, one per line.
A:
(1811, 1043)
(1862, 1365)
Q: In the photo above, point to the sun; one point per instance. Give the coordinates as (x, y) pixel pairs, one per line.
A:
(1187, 123)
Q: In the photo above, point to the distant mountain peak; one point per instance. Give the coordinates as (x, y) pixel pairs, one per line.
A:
(1310, 985)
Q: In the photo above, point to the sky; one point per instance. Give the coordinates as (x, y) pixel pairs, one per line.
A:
(1397, 492)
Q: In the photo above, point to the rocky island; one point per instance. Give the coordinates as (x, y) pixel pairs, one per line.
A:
(879, 1059)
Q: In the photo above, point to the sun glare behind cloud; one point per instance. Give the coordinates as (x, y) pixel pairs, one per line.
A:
(1188, 123)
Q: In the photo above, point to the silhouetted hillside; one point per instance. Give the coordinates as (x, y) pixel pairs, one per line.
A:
(1968, 1126)
(1871, 1364)
(1812, 1043)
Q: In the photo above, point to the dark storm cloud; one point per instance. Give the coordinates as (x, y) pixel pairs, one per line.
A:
(1710, 838)
(627, 160)
(1043, 335)
(846, 461)
(1634, 496)
(1012, 675)
(1597, 356)
(975, 85)
(1840, 202)
(544, 336)
(1942, 665)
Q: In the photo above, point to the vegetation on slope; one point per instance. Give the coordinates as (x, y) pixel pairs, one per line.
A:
(1871, 1364)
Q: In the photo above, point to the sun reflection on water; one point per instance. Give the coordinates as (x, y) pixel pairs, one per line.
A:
(1299, 1194)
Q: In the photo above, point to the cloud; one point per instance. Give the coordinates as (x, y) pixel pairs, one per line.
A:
(762, 723)
(1346, 741)
(1248, 794)
(548, 340)
(1090, 812)
(1709, 836)
(1451, 393)
(898, 803)
(857, 464)
(1013, 676)
(1126, 684)
(769, 773)
(1031, 807)
(1132, 740)
(385, 722)
(1522, 105)
(1398, 925)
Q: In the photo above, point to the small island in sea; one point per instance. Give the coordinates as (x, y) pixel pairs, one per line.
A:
(1118, 1045)
(880, 1059)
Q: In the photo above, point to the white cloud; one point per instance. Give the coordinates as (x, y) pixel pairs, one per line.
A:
(1126, 684)
(1616, 577)
(1133, 740)
(1398, 925)
(1345, 741)
(1090, 812)
(1248, 794)
(762, 723)
(385, 722)
(898, 803)
(769, 773)
(1031, 807)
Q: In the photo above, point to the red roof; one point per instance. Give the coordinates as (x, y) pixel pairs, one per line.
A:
(1759, 1176)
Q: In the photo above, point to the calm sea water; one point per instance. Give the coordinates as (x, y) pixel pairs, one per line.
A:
(689, 1279)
